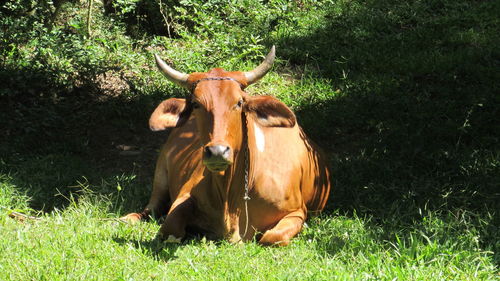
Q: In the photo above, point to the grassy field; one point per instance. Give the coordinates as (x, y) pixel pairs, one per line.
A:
(402, 95)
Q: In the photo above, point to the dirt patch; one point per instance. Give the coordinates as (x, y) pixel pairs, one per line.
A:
(111, 84)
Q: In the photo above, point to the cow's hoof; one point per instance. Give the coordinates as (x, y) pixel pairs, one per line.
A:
(235, 239)
(172, 239)
(272, 238)
(132, 218)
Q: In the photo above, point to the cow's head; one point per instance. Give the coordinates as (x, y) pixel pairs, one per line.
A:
(219, 103)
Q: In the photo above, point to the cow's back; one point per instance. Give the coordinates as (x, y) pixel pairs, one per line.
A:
(315, 178)
(290, 167)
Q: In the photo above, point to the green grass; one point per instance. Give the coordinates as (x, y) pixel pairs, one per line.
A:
(402, 96)
(82, 242)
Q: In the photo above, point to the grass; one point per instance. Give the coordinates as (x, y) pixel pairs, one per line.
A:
(403, 97)
(82, 242)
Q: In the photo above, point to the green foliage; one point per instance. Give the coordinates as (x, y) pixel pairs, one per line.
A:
(402, 95)
(125, 6)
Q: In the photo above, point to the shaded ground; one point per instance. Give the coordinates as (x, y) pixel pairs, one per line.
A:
(415, 120)
(92, 134)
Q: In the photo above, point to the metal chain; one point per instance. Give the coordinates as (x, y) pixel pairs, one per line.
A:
(193, 86)
(246, 198)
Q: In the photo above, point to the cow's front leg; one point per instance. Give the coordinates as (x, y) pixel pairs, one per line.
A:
(173, 228)
(286, 229)
(159, 201)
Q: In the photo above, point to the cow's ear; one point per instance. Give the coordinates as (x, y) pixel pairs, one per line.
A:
(269, 112)
(170, 113)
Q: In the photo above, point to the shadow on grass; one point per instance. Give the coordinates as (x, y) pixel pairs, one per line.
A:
(158, 249)
(57, 141)
(162, 250)
(415, 119)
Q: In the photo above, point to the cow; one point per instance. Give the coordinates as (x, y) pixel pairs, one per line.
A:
(235, 166)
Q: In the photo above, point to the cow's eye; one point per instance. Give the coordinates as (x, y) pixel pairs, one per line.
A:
(239, 104)
(196, 105)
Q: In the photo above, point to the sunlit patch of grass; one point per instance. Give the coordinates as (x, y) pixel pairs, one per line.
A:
(85, 241)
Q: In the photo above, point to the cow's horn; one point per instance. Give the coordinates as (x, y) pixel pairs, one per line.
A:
(261, 70)
(173, 75)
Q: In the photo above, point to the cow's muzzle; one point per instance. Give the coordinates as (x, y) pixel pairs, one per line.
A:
(217, 157)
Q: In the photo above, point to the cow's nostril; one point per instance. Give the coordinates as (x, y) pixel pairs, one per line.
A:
(225, 153)
(208, 152)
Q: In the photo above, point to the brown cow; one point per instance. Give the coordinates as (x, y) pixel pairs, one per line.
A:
(235, 166)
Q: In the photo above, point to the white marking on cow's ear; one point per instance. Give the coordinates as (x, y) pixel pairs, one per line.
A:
(260, 139)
